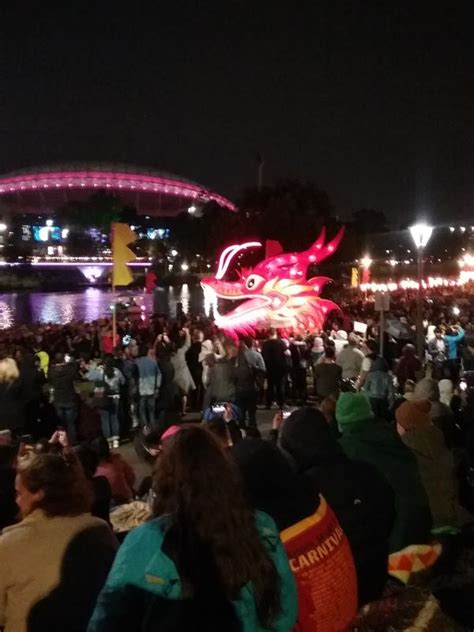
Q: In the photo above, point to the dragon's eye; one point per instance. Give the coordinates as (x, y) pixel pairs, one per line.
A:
(252, 281)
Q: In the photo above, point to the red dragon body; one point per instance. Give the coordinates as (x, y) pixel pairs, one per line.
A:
(276, 292)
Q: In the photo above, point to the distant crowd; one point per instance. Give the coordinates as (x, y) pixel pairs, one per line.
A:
(349, 506)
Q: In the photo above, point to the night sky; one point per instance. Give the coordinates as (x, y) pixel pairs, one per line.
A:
(376, 106)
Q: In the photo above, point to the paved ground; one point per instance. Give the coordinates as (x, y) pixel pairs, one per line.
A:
(264, 421)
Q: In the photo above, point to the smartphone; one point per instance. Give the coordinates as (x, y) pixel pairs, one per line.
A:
(67, 358)
(27, 439)
(286, 413)
(463, 386)
(218, 409)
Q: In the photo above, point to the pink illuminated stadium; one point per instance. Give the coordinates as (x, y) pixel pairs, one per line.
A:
(150, 192)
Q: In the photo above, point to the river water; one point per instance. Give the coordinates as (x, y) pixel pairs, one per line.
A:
(93, 303)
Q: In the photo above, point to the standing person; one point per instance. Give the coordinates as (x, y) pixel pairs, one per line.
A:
(437, 350)
(454, 337)
(374, 441)
(193, 355)
(12, 415)
(409, 366)
(328, 375)
(61, 377)
(379, 388)
(55, 561)
(222, 376)
(182, 374)
(299, 366)
(149, 381)
(274, 355)
(250, 368)
(108, 380)
(350, 359)
(372, 353)
(206, 561)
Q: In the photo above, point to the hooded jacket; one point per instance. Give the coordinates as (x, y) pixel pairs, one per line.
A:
(379, 382)
(358, 494)
(374, 441)
(144, 592)
(436, 466)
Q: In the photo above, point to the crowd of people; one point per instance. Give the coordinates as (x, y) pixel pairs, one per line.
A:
(299, 518)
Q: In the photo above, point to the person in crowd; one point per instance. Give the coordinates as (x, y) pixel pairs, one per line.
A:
(441, 414)
(453, 338)
(206, 561)
(409, 390)
(306, 524)
(409, 366)
(379, 388)
(101, 490)
(222, 377)
(327, 375)
(195, 367)
(149, 382)
(437, 350)
(300, 361)
(446, 392)
(274, 355)
(108, 381)
(328, 408)
(350, 359)
(435, 462)
(55, 561)
(168, 407)
(61, 376)
(467, 356)
(340, 340)
(372, 353)
(317, 350)
(359, 495)
(129, 392)
(376, 442)
(32, 380)
(8, 507)
(182, 374)
(249, 372)
(12, 412)
(115, 469)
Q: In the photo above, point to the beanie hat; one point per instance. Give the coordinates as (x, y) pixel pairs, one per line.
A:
(341, 335)
(169, 432)
(352, 407)
(414, 414)
(427, 388)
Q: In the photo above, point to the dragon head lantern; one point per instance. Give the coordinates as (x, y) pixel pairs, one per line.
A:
(276, 292)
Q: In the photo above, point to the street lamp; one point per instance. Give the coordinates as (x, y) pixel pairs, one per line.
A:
(421, 234)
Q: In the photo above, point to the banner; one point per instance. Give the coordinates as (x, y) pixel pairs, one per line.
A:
(122, 236)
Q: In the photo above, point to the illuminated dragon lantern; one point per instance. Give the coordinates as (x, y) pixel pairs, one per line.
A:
(276, 292)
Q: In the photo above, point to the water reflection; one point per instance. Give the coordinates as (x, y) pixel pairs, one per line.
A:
(91, 304)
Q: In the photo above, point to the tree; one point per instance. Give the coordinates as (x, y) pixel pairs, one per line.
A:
(289, 212)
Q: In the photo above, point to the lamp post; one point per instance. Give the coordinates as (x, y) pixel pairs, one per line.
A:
(421, 234)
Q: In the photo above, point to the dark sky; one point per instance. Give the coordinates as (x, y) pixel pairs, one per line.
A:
(375, 105)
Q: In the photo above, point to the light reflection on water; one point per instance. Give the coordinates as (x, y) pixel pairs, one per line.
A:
(93, 303)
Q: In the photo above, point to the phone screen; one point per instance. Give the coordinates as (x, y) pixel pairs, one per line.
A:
(218, 409)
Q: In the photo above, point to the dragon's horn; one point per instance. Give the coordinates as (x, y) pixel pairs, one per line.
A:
(319, 282)
(332, 245)
(320, 240)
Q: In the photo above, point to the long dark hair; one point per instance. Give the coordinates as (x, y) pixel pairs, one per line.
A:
(109, 367)
(214, 528)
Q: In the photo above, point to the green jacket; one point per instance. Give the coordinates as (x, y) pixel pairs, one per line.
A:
(377, 442)
(142, 574)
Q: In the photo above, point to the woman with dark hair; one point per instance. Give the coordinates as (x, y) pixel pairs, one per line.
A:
(53, 563)
(115, 469)
(101, 490)
(206, 562)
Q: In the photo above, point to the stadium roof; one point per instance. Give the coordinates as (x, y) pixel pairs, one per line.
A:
(149, 191)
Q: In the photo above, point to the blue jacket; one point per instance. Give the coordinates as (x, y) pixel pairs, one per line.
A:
(452, 343)
(149, 376)
(143, 576)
